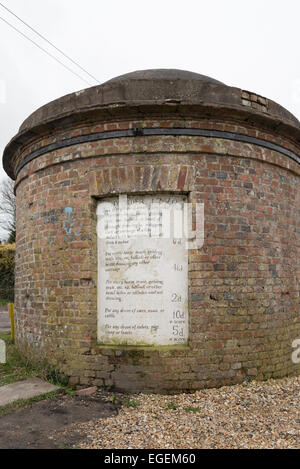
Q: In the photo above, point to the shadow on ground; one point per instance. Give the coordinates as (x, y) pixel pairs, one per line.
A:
(51, 423)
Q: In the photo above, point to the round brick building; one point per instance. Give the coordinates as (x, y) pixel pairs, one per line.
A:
(160, 133)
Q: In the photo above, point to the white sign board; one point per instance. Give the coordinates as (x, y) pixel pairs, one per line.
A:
(142, 271)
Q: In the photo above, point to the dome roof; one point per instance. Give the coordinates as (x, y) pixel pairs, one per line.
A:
(155, 87)
(157, 92)
(163, 74)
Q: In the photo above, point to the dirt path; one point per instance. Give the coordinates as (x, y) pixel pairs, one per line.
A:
(49, 424)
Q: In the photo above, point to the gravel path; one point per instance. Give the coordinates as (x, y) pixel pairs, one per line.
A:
(253, 415)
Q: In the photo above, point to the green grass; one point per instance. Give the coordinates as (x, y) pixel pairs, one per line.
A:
(172, 406)
(192, 409)
(3, 302)
(15, 368)
(131, 403)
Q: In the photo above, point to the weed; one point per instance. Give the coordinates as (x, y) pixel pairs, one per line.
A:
(131, 403)
(56, 377)
(192, 409)
(172, 406)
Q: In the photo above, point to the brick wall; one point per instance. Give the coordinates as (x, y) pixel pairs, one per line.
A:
(243, 284)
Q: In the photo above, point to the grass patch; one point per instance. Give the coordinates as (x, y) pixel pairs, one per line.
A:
(131, 403)
(57, 378)
(3, 302)
(172, 406)
(15, 368)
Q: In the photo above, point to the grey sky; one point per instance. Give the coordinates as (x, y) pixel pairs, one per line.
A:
(253, 45)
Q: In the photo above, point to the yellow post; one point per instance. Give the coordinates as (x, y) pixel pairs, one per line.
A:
(12, 320)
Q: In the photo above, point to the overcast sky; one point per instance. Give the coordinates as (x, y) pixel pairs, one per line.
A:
(253, 45)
